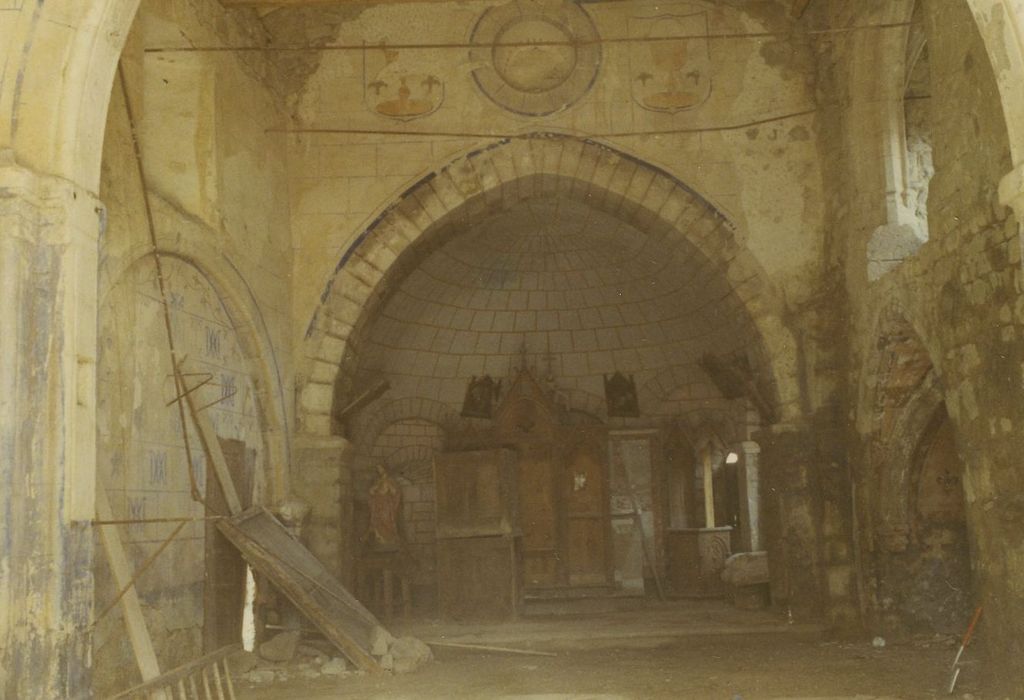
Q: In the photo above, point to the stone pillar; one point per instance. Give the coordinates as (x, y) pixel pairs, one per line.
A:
(322, 477)
(709, 488)
(48, 263)
(792, 520)
(750, 497)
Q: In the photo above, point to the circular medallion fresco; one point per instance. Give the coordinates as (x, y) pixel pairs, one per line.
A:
(535, 57)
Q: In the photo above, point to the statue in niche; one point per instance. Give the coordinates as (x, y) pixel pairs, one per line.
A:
(481, 396)
(620, 395)
(385, 502)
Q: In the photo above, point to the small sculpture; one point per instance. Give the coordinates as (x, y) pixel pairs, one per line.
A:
(620, 395)
(385, 501)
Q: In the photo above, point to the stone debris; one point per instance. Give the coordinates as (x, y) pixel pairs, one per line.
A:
(334, 667)
(380, 641)
(287, 655)
(281, 647)
(260, 676)
(409, 653)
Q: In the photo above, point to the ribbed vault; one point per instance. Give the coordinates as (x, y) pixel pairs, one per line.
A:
(581, 293)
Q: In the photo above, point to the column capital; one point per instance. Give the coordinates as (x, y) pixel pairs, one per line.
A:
(750, 447)
(50, 209)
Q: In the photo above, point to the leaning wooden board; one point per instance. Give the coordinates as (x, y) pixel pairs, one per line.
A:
(271, 550)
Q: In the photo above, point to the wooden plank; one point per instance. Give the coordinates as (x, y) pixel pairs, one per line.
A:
(138, 634)
(270, 549)
(211, 446)
(364, 399)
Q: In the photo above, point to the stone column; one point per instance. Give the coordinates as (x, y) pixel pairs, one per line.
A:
(48, 264)
(322, 477)
(709, 488)
(750, 497)
(792, 520)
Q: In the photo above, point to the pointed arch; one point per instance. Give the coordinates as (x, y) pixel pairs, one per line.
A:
(491, 179)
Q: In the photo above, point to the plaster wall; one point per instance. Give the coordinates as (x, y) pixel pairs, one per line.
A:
(766, 178)
(212, 177)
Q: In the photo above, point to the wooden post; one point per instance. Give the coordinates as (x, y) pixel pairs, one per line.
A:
(709, 489)
(211, 446)
(138, 634)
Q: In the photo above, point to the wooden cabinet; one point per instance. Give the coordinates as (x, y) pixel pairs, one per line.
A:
(478, 551)
(696, 560)
(479, 578)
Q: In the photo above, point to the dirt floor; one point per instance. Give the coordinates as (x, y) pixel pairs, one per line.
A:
(679, 650)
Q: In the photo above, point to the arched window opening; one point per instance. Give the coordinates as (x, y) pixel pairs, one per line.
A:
(918, 165)
(909, 163)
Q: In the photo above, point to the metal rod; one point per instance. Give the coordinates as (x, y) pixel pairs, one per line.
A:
(726, 36)
(496, 135)
(179, 397)
(157, 520)
(161, 283)
(145, 565)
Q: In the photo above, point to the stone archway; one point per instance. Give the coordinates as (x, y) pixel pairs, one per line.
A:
(920, 558)
(495, 178)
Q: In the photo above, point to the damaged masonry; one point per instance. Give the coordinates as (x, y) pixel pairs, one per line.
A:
(490, 349)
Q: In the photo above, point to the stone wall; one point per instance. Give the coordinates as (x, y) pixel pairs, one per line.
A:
(764, 178)
(958, 294)
(211, 176)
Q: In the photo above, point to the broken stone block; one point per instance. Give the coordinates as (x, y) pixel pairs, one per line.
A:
(409, 654)
(281, 647)
(380, 641)
(387, 662)
(334, 667)
(259, 676)
(244, 661)
(309, 650)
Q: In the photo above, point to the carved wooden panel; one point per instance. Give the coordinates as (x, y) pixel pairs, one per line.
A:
(476, 493)
(538, 516)
(479, 577)
(585, 485)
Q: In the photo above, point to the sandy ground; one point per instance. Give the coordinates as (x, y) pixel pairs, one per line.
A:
(685, 650)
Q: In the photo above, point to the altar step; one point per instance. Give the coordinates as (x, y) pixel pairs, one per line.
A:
(579, 601)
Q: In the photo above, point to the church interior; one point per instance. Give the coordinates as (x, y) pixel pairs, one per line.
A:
(511, 349)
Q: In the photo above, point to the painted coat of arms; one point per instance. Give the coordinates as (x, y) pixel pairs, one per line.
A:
(397, 86)
(670, 63)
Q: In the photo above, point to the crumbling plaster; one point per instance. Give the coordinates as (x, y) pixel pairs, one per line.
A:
(957, 293)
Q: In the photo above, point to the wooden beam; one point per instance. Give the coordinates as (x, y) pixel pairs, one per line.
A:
(138, 634)
(211, 446)
(364, 399)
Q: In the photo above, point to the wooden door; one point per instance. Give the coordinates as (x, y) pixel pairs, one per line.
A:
(587, 543)
(224, 590)
(538, 516)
